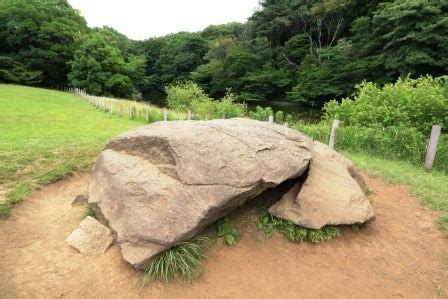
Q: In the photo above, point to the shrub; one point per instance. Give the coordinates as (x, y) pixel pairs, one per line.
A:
(418, 103)
(279, 117)
(268, 224)
(227, 106)
(180, 96)
(182, 261)
(189, 95)
(394, 142)
(261, 113)
(225, 230)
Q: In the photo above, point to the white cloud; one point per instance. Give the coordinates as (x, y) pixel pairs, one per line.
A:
(140, 19)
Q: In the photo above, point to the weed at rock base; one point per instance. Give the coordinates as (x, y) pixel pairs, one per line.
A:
(268, 224)
(88, 212)
(182, 261)
(225, 230)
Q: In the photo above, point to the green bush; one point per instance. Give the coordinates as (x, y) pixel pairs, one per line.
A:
(228, 107)
(279, 117)
(261, 113)
(399, 143)
(418, 103)
(190, 96)
(180, 96)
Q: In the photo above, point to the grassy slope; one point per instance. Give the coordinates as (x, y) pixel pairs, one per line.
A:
(46, 134)
(431, 187)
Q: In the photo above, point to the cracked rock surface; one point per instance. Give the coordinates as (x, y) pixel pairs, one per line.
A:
(332, 194)
(161, 184)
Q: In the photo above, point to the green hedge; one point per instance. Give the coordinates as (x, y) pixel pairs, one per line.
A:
(400, 143)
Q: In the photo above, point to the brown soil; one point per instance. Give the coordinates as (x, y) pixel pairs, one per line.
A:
(401, 254)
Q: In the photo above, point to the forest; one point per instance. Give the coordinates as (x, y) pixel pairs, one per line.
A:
(309, 51)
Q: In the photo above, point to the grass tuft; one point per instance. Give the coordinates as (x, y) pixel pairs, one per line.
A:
(5, 209)
(225, 230)
(269, 224)
(182, 261)
(17, 193)
(88, 212)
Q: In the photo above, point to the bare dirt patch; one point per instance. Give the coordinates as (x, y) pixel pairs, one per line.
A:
(401, 254)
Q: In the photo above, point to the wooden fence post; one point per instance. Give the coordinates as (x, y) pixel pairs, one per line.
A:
(165, 114)
(334, 127)
(147, 115)
(432, 146)
(189, 115)
(271, 119)
(224, 115)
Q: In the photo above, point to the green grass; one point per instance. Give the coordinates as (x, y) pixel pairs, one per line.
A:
(226, 231)
(88, 212)
(431, 187)
(269, 224)
(47, 134)
(182, 261)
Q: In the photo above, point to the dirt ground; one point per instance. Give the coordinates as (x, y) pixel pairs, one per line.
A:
(401, 254)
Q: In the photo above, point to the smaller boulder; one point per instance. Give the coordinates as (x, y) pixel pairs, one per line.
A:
(81, 198)
(91, 237)
(333, 193)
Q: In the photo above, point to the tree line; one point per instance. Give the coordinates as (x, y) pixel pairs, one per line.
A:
(300, 50)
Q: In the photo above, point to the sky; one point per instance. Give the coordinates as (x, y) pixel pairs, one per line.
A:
(141, 19)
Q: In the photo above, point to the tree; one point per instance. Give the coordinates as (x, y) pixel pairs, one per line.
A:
(405, 37)
(41, 36)
(12, 71)
(100, 68)
(181, 53)
(321, 81)
(230, 30)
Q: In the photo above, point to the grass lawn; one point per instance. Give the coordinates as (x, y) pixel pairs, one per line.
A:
(46, 134)
(431, 187)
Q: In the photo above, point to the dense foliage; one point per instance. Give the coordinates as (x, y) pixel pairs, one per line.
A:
(100, 68)
(301, 50)
(418, 103)
(38, 40)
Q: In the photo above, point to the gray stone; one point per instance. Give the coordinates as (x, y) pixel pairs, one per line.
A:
(91, 237)
(333, 193)
(161, 184)
(81, 198)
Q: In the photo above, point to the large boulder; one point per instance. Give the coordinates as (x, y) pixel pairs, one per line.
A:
(333, 193)
(161, 184)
